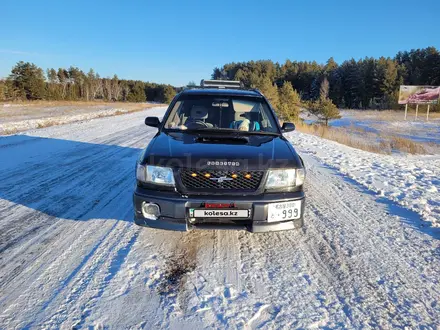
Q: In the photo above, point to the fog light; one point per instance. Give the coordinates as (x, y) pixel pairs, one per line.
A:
(150, 211)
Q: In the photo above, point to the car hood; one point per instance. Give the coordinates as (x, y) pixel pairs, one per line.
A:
(186, 150)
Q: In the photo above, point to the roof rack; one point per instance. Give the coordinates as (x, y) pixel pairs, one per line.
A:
(221, 84)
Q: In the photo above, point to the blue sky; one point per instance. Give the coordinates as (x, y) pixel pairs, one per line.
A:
(178, 41)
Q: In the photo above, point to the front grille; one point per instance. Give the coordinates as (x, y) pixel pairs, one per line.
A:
(197, 180)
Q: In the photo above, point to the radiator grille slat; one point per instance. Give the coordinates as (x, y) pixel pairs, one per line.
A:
(195, 180)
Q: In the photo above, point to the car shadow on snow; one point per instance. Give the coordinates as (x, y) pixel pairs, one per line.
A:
(410, 218)
(67, 179)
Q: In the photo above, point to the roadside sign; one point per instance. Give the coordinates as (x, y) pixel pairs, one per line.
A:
(419, 94)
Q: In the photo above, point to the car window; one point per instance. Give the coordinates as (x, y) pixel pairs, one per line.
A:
(242, 114)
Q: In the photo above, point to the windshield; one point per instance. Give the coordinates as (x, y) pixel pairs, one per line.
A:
(221, 113)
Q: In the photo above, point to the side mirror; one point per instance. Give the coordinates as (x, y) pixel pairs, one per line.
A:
(152, 121)
(288, 127)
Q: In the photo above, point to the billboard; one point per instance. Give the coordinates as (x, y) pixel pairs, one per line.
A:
(419, 94)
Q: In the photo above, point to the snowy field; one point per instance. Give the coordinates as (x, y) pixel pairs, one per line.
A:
(20, 117)
(71, 257)
(409, 180)
(388, 123)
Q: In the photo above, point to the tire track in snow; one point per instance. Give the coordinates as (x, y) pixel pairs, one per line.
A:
(45, 223)
(96, 274)
(107, 241)
(364, 291)
(72, 225)
(288, 287)
(87, 180)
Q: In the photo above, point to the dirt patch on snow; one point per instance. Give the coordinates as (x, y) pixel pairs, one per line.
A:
(182, 262)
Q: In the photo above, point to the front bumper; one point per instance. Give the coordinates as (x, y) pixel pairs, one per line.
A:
(174, 211)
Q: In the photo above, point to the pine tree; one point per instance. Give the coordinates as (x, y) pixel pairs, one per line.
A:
(53, 90)
(386, 81)
(330, 66)
(52, 76)
(74, 83)
(8, 91)
(325, 110)
(433, 59)
(125, 89)
(137, 92)
(366, 90)
(351, 83)
(315, 88)
(168, 93)
(289, 102)
(28, 79)
(3, 90)
(390, 78)
(95, 84)
(269, 90)
(336, 89)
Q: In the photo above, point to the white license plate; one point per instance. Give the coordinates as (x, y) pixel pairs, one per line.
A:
(284, 211)
(213, 213)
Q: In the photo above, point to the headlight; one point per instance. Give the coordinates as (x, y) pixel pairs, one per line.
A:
(300, 176)
(285, 178)
(155, 174)
(141, 173)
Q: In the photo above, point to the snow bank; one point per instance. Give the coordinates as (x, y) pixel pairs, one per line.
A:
(24, 125)
(9, 105)
(411, 181)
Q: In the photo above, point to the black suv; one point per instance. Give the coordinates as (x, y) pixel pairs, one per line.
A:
(219, 161)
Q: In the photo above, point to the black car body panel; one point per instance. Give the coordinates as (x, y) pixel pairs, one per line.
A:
(184, 150)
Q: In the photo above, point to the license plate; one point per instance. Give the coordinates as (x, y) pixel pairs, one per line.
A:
(223, 213)
(284, 211)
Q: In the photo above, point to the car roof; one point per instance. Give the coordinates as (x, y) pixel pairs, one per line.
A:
(221, 91)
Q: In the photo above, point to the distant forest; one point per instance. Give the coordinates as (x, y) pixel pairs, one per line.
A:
(367, 83)
(29, 82)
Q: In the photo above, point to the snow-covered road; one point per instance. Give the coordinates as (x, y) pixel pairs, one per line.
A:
(70, 255)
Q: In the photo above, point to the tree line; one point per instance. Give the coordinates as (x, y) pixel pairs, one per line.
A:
(27, 81)
(367, 83)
